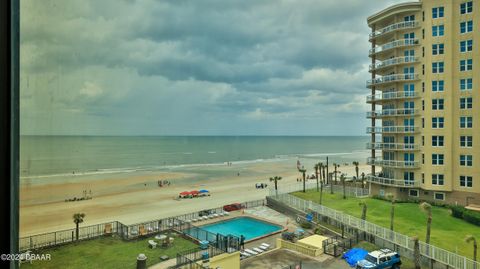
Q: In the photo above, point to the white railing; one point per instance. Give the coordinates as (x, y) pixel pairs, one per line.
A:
(392, 78)
(394, 27)
(349, 191)
(393, 61)
(393, 163)
(430, 251)
(392, 146)
(392, 182)
(395, 44)
(392, 96)
(393, 112)
(393, 129)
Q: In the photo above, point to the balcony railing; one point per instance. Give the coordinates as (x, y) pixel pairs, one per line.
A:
(392, 78)
(394, 44)
(391, 96)
(392, 182)
(393, 129)
(393, 112)
(393, 61)
(393, 146)
(394, 27)
(393, 163)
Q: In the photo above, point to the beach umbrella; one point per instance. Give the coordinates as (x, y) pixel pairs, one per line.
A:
(203, 191)
(185, 193)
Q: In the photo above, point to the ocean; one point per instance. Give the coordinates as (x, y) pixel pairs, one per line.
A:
(46, 156)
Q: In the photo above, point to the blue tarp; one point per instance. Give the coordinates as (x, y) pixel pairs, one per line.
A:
(354, 255)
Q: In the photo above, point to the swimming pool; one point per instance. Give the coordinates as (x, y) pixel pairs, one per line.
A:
(249, 227)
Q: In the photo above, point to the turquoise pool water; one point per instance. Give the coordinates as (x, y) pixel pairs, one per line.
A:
(246, 226)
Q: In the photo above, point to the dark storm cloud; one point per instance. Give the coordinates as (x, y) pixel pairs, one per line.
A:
(94, 65)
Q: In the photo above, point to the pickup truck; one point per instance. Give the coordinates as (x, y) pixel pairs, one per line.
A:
(379, 259)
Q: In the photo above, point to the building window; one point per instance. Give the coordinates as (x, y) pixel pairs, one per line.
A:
(437, 67)
(466, 141)
(437, 104)
(438, 30)
(438, 179)
(466, 7)
(466, 102)
(437, 159)
(466, 160)
(438, 49)
(466, 45)
(437, 12)
(465, 65)
(466, 122)
(437, 85)
(413, 193)
(409, 18)
(465, 27)
(466, 84)
(423, 158)
(466, 181)
(437, 122)
(423, 178)
(439, 196)
(437, 141)
(423, 140)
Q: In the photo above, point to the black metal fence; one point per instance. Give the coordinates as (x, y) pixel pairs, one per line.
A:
(336, 246)
(126, 232)
(193, 256)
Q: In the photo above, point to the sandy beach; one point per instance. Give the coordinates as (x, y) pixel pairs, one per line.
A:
(135, 197)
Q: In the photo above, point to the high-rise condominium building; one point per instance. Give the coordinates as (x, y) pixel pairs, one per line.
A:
(425, 101)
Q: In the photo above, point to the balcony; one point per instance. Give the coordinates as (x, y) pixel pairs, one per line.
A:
(392, 182)
(401, 112)
(393, 146)
(393, 163)
(392, 79)
(394, 27)
(388, 96)
(393, 130)
(392, 62)
(394, 44)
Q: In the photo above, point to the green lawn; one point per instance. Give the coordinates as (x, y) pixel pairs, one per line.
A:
(447, 232)
(107, 252)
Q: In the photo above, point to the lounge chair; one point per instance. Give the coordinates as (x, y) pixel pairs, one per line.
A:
(242, 253)
(23, 257)
(152, 244)
(258, 250)
(210, 216)
(262, 247)
(215, 215)
(226, 213)
(204, 217)
(265, 245)
(194, 220)
(249, 251)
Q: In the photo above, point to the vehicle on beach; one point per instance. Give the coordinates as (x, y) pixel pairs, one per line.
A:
(379, 259)
(232, 207)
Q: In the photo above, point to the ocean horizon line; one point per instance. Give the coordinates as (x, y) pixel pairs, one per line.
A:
(79, 135)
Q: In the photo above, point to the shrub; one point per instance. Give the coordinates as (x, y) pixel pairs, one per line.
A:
(472, 217)
(457, 211)
(306, 225)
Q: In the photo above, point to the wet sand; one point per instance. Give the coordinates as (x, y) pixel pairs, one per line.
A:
(135, 197)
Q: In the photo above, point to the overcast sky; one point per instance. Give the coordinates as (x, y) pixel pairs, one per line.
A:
(198, 67)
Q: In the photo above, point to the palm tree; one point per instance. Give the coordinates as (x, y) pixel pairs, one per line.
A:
(317, 167)
(303, 170)
(391, 197)
(356, 171)
(363, 180)
(416, 252)
(335, 175)
(471, 238)
(321, 192)
(275, 179)
(342, 178)
(77, 219)
(427, 208)
(364, 210)
(323, 174)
